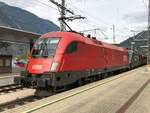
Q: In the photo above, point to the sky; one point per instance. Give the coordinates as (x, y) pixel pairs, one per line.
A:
(126, 15)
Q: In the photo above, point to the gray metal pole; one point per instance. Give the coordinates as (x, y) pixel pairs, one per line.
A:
(114, 38)
(148, 39)
(62, 26)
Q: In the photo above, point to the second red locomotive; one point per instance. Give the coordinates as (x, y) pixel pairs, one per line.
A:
(60, 59)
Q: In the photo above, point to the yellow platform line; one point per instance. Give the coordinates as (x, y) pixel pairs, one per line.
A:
(73, 94)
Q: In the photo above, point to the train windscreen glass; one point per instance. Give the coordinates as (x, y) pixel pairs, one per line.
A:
(45, 48)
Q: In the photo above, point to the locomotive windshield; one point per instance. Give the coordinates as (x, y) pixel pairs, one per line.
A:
(45, 48)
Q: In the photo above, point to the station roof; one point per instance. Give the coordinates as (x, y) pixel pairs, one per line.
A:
(16, 35)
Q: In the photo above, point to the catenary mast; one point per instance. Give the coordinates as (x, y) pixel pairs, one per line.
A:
(148, 40)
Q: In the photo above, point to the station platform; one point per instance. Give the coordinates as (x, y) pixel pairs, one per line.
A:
(128, 92)
(15, 72)
(8, 75)
(7, 78)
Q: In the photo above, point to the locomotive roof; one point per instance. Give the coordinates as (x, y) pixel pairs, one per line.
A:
(76, 36)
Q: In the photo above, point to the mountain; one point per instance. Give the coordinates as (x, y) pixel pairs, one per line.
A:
(15, 17)
(21, 19)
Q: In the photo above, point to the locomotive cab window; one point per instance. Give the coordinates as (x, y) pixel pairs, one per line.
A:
(72, 47)
(45, 47)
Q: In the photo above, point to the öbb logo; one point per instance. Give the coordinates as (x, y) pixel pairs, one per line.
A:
(37, 67)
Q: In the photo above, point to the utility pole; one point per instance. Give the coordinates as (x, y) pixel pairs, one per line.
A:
(148, 40)
(114, 34)
(63, 17)
(62, 25)
(63, 10)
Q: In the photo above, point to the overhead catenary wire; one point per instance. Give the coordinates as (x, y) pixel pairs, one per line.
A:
(31, 2)
(98, 21)
(90, 15)
(99, 31)
(47, 5)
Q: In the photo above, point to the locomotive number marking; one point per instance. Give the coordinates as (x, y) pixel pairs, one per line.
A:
(37, 67)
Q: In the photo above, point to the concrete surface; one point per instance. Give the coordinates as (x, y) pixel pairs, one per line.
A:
(16, 95)
(6, 81)
(104, 96)
(7, 78)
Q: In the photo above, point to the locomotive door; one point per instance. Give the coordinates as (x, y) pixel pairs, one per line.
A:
(105, 55)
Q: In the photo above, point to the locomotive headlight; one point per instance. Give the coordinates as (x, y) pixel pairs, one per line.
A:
(54, 66)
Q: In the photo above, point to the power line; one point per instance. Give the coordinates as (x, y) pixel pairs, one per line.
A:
(89, 15)
(29, 3)
(47, 5)
(98, 28)
(51, 7)
(106, 37)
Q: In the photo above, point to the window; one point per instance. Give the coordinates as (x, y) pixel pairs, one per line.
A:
(1, 62)
(72, 47)
(7, 62)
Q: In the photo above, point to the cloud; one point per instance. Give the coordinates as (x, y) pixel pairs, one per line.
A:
(136, 17)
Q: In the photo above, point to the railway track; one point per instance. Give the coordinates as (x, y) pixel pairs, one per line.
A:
(18, 102)
(10, 96)
(9, 88)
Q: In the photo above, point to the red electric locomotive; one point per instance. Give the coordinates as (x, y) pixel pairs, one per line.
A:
(60, 59)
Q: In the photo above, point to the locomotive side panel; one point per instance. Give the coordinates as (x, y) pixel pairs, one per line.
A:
(115, 59)
(93, 57)
(73, 58)
(120, 58)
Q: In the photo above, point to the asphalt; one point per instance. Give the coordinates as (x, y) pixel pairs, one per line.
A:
(124, 93)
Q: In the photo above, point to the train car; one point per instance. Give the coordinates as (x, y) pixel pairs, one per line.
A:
(136, 59)
(60, 59)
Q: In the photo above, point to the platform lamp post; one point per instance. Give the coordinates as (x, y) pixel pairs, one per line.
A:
(148, 40)
(132, 46)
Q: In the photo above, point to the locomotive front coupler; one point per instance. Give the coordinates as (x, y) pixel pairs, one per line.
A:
(34, 80)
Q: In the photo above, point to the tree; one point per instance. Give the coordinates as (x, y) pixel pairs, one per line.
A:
(24, 57)
(4, 45)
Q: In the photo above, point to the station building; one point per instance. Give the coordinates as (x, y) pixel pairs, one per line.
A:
(5, 64)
